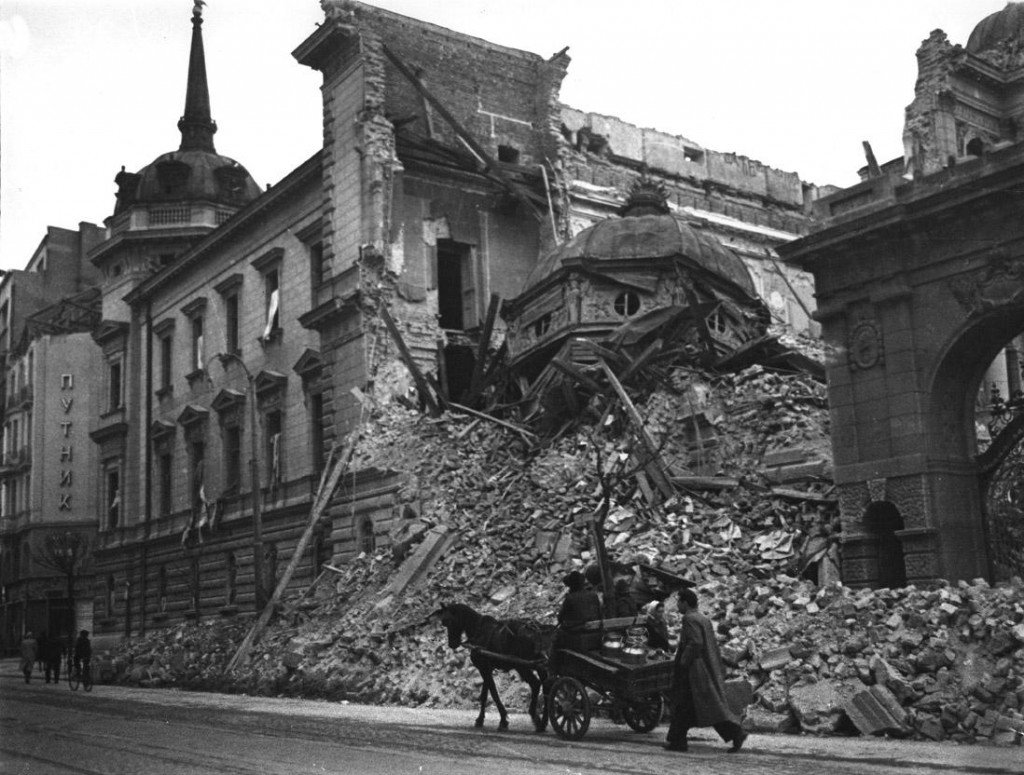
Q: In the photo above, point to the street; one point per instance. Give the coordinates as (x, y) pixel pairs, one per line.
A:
(48, 729)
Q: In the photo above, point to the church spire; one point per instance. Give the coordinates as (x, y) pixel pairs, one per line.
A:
(195, 125)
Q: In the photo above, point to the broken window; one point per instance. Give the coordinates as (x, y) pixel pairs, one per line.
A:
(508, 154)
(542, 325)
(274, 426)
(113, 497)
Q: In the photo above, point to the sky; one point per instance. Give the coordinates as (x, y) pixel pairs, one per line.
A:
(89, 86)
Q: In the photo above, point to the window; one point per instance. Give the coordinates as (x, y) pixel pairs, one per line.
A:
(316, 431)
(166, 483)
(508, 154)
(166, 361)
(108, 597)
(367, 539)
(198, 474)
(273, 436)
(317, 269)
(161, 594)
(115, 383)
(272, 286)
(230, 290)
(195, 311)
(231, 324)
(627, 303)
(113, 498)
(232, 457)
(231, 580)
(197, 343)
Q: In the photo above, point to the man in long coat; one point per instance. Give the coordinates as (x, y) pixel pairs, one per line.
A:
(698, 682)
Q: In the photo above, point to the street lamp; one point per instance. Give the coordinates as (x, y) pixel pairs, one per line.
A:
(254, 472)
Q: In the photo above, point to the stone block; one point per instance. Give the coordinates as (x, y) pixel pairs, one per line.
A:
(931, 729)
(739, 693)
(875, 711)
(889, 677)
(759, 719)
(774, 659)
(818, 707)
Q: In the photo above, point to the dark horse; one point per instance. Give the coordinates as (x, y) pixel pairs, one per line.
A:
(500, 644)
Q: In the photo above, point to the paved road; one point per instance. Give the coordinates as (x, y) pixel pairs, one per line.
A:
(48, 729)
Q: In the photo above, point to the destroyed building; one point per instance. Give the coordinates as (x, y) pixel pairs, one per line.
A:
(268, 325)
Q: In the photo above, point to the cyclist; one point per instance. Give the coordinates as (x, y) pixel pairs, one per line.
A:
(83, 651)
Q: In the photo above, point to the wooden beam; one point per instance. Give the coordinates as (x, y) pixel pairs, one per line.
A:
(328, 484)
(481, 351)
(512, 427)
(491, 167)
(641, 360)
(421, 383)
(656, 470)
(576, 374)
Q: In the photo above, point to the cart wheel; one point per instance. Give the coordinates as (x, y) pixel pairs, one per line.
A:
(569, 708)
(644, 713)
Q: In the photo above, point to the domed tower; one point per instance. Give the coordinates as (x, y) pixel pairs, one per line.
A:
(177, 199)
(624, 278)
(967, 100)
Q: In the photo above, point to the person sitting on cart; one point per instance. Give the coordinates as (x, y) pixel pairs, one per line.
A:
(580, 605)
(624, 605)
(657, 628)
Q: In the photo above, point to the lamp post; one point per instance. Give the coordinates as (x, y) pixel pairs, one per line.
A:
(254, 472)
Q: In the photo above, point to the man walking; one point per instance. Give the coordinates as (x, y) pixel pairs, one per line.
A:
(29, 655)
(698, 682)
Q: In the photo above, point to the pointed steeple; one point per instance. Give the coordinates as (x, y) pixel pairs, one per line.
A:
(195, 125)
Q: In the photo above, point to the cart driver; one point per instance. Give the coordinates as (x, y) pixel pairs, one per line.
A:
(580, 604)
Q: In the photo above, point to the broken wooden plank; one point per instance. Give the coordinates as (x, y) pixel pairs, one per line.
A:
(657, 470)
(410, 363)
(706, 482)
(802, 495)
(531, 437)
(481, 350)
(328, 483)
(576, 374)
(603, 353)
(640, 361)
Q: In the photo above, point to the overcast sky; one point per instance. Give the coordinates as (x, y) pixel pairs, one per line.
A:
(87, 86)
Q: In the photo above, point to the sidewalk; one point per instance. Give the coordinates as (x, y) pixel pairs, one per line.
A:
(946, 757)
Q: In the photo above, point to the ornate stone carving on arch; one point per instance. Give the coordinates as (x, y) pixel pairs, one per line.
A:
(1001, 282)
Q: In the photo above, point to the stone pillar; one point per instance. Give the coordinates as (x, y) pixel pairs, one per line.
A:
(860, 560)
(920, 554)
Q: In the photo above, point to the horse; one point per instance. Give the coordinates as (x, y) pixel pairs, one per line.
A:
(505, 644)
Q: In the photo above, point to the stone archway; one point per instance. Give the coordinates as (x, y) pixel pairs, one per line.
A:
(919, 284)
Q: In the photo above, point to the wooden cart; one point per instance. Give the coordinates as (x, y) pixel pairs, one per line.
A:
(585, 681)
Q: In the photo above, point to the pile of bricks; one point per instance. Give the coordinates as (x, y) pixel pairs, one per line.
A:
(496, 517)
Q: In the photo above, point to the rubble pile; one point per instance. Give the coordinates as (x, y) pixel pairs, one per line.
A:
(752, 523)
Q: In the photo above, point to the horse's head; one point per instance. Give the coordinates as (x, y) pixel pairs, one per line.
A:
(452, 620)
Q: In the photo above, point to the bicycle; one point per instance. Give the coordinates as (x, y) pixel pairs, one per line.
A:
(80, 674)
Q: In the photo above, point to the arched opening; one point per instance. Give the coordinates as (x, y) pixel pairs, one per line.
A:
(975, 147)
(977, 375)
(882, 521)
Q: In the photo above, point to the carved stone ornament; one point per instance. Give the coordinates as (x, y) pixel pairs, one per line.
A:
(1000, 283)
(865, 346)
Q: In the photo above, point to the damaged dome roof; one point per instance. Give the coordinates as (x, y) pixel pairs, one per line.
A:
(644, 237)
(996, 28)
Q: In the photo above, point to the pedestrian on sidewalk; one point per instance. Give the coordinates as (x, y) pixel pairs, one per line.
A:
(698, 682)
(53, 654)
(29, 655)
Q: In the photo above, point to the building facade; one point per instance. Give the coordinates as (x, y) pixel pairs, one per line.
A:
(47, 511)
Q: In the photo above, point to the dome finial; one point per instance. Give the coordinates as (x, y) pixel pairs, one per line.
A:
(647, 196)
(196, 126)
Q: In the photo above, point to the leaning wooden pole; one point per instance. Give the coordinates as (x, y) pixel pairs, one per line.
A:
(323, 496)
